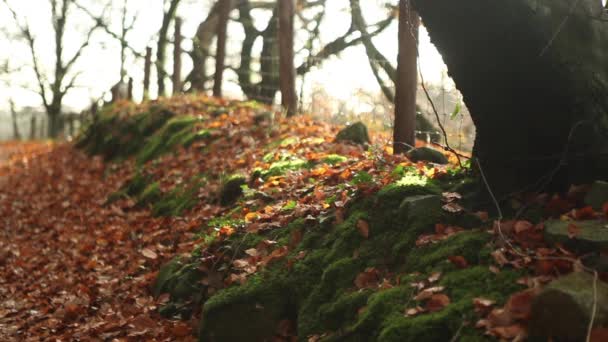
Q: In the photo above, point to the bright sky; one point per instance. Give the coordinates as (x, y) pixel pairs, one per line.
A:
(340, 76)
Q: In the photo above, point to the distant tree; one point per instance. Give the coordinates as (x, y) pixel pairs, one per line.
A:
(163, 40)
(263, 83)
(53, 86)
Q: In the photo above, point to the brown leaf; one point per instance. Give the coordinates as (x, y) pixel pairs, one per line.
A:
(459, 261)
(148, 253)
(573, 230)
(520, 304)
(437, 302)
(363, 228)
(428, 293)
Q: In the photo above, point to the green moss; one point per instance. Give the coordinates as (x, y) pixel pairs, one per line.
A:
(177, 132)
(334, 159)
(337, 277)
(355, 133)
(438, 326)
(379, 306)
(338, 313)
(231, 189)
(150, 195)
(466, 244)
(281, 167)
(178, 200)
(257, 306)
(117, 137)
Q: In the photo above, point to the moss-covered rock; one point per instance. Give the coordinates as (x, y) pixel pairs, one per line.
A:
(582, 236)
(355, 133)
(178, 131)
(334, 159)
(281, 167)
(563, 310)
(150, 195)
(249, 312)
(597, 195)
(176, 201)
(427, 154)
(232, 189)
(114, 136)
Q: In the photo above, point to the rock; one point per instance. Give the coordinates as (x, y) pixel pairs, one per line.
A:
(263, 117)
(563, 309)
(597, 195)
(587, 236)
(420, 211)
(231, 190)
(427, 154)
(356, 133)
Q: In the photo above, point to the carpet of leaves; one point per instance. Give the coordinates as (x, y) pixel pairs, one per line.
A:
(74, 268)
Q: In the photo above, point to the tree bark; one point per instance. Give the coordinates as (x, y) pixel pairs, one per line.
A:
(404, 136)
(168, 17)
(177, 57)
(534, 77)
(147, 71)
(16, 134)
(220, 55)
(287, 72)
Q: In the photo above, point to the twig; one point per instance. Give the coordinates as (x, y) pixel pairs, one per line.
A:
(560, 27)
(594, 310)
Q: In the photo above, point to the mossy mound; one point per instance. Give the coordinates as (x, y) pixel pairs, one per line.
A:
(232, 189)
(114, 136)
(315, 287)
(179, 131)
(355, 133)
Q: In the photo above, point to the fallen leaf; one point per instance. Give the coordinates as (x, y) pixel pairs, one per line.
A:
(573, 230)
(148, 253)
(363, 228)
(437, 302)
(428, 293)
(459, 261)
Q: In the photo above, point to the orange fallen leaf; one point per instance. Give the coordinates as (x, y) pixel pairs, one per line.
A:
(459, 261)
(437, 302)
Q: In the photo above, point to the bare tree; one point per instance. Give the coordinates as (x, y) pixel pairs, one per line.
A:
(161, 51)
(407, 79)
(287, 73)
(16, 134)
(177, 57)
(220, 56)
(52, 87)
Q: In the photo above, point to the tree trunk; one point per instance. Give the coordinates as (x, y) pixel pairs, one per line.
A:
(534, 77)
(177, 57)
(162, 46)
(220, 55)
(287, 71)
(147, 70)
(16, 134)
(32, 127)
(404, 136)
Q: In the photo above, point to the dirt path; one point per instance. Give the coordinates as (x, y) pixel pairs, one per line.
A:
(72, 268)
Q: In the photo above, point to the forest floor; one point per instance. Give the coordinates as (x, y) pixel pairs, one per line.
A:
(80, 250)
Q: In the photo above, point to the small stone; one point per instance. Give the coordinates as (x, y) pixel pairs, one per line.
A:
(231, 190)
(427, 154)
(421, 210)
(597, 195)
(263, 117)
(580, 236)
(563, 309)
(355, 133)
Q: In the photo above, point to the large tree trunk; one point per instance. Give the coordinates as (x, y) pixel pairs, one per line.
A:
(287, 74)
(534, 77)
